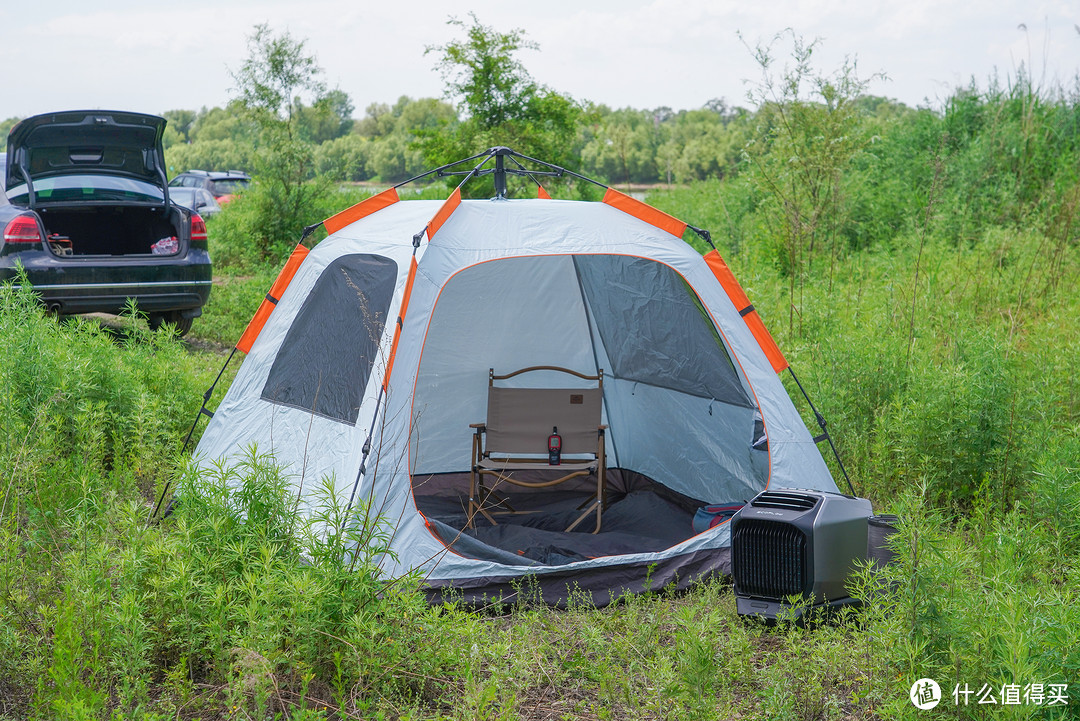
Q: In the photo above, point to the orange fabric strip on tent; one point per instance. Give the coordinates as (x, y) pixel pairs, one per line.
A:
(400, 323)
(270, 302)
(753, 321)
(447, 208)
(644, 211)
(362, 209)
(541, 193)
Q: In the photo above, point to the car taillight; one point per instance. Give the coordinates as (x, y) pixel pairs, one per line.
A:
(198, 230)
(24, 229)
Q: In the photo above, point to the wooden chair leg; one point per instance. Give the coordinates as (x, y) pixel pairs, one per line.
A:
(478, 493)
(473, 506)
(601, 481)
(486, 494)
(583, 516)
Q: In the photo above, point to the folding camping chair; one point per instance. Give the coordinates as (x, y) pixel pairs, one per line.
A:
(515, 438)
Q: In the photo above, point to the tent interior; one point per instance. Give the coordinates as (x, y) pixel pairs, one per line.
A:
(682, 429)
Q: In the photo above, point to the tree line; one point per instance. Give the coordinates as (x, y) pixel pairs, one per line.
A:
(814, 167)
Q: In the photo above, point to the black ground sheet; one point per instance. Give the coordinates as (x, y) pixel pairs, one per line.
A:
(641, 519)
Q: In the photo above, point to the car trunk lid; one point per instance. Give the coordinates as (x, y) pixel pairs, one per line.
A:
(87, 142)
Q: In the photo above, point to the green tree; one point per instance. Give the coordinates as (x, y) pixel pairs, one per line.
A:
(422, 114)
(7, 125)
(501, 103)
(178, 129)
(209, 155)
(210, 139)
(482, 72)
(622, 147)
(393, 154)
(377, 121)
(810, 130)
(345, 158)
(328, 118)
(230, 123)
(281, 91)
(274, 76)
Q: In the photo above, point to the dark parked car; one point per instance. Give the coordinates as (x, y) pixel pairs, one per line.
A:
(87, 213)
(198, 199)
(223, 184)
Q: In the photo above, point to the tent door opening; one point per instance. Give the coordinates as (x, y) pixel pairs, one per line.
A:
(679, 422)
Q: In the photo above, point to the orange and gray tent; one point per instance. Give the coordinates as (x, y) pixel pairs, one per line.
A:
(374, 355)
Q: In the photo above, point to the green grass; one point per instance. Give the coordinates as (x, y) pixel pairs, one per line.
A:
(232, 609)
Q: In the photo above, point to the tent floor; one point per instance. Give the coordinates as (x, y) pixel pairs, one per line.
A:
(639, 521)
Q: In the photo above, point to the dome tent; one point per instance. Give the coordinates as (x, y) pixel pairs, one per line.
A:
(373, 354)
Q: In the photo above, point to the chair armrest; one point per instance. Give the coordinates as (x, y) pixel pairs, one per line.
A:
(478, 425)
(602, 428)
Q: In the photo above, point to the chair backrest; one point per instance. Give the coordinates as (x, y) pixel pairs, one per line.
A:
(519, 420)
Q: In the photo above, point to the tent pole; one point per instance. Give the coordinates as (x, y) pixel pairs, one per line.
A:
(441, 168)
(366, 450)
(500, 171)
(558, 170)
(704, 234)
(525, 172)
(202, 412)
(206, 399)
(824, 431)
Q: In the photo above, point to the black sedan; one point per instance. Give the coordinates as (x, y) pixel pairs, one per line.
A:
(87, 213)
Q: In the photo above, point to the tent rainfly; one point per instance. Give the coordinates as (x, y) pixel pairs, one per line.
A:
(373, 361)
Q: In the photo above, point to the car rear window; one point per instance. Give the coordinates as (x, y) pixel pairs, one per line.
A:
(232, 185)
(66, 188)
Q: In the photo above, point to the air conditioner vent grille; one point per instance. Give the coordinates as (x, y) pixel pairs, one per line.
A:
(785, 500)
(769, 559)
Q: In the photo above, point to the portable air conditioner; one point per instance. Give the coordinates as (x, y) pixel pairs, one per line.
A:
(794, 542)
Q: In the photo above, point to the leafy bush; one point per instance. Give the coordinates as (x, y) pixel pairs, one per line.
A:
(262, 225)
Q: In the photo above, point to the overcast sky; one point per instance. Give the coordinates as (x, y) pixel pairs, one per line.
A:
(157, 56)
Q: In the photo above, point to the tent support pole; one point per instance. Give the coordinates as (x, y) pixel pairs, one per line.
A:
(824, 431)
(704, 234)
(202, 412)
(500, 171)
(206, 399)
(365, 451)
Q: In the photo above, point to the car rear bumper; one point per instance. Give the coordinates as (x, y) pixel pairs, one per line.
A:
(84, 286)
(113, 298)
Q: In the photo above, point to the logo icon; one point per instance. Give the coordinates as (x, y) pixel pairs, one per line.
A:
(925, 694)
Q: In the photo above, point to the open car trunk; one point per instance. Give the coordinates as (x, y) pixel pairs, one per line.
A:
(112, 230)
